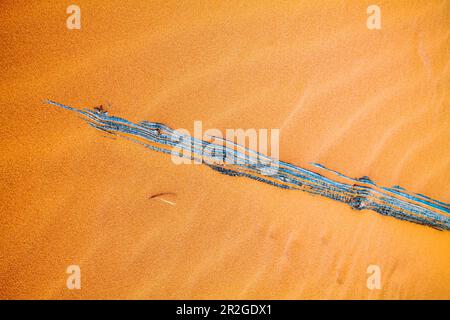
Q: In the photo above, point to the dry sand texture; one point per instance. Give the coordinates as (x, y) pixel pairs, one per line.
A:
(363, 102)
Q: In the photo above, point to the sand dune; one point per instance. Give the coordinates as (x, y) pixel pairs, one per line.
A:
(359, 101)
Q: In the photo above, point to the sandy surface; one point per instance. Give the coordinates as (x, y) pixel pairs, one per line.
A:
(361, 102)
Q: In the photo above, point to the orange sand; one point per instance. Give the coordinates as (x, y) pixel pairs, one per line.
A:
(358, 101)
